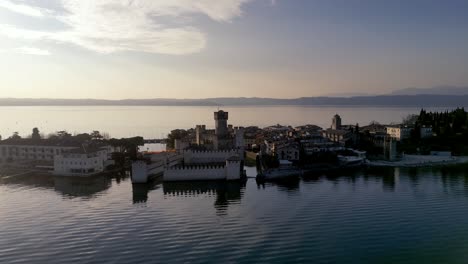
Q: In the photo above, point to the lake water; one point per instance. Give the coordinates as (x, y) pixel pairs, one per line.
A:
(376, 216)
(158, 121)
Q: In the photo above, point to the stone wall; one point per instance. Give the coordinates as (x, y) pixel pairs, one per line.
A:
(200, 157)
(195, 173)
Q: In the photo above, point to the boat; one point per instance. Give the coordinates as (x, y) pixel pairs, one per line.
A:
(285, 170)
(351, 161)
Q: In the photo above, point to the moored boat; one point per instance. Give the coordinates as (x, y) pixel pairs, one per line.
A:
(285, 170)
(351, 161)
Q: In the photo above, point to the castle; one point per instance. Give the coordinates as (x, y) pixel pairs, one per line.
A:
(212, 155)
(223, 137)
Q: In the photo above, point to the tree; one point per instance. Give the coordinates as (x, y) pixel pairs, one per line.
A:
(175, 134)
(83, 137)
(410, 119)
(15, 136)
(63, 134)
(96, 135)
(128, 146)
(35, 134)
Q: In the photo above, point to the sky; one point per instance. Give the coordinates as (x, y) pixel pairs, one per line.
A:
(118, 49)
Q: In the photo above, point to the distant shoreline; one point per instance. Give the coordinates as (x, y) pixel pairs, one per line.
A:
(417, 161)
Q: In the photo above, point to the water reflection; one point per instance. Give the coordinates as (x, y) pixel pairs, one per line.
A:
(226, 193)
(81, 187)
(140, 191)
(68, 187)
(290, 185)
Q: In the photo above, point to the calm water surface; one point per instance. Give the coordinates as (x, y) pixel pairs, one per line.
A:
(377, 216)
(158, 121)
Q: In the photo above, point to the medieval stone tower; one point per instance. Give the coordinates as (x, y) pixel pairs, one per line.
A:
(336, 123)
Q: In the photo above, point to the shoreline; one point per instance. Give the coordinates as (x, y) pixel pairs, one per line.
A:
(415, 161)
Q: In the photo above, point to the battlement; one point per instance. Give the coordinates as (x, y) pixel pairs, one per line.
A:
(221, 115)
(212, 152)
(210, 156)
(196, 167)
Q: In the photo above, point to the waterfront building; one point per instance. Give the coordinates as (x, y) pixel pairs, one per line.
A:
(82, 161)
(67, 158)
(31, 150)
(283, 150)
(288, 151)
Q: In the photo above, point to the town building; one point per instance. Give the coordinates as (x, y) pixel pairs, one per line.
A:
(67, 158)
(82, 161)
(338, 136)
(425, 132)
(31, 151)
(344, 135)
(288, 151)
(399, 132)
(283, 150)
(336, 122)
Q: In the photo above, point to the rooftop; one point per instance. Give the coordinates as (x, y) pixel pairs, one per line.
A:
(40, 142)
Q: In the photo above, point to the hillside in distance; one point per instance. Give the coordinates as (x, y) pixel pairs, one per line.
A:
(439, 90)
(380, 100)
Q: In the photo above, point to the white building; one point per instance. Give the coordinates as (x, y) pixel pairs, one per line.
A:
(82, 162)
(399, 132)
(26, 150)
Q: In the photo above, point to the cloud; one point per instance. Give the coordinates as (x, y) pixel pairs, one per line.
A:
(22, 9)
(108, 26)
(32, 51)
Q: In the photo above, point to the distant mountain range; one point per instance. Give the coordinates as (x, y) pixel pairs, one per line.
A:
(424, 100)
(440, 90)
(419, 97)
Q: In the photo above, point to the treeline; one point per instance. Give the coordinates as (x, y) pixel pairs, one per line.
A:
(450, 133)
(445, 123)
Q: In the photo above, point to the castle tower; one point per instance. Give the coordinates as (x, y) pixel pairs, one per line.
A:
(240, 140)
(221, 119)
(336, 122)
(200, 131)
(233, 168)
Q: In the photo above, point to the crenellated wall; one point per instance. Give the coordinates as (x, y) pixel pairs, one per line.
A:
(217, 156)
(199, 166)
(195, 173)
(230, 171)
